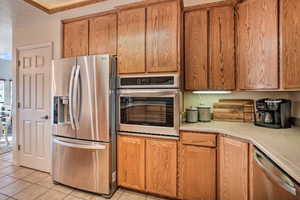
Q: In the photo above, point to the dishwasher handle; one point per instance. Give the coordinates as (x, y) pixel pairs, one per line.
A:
(289, 186)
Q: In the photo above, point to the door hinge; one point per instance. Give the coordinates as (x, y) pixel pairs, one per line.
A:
(19, 63)
(19, 105)
(19, 147)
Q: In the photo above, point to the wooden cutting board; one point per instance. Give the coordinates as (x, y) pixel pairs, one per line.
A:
(238, 110)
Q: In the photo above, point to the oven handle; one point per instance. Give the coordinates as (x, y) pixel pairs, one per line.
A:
(143, 93)
(282, 183)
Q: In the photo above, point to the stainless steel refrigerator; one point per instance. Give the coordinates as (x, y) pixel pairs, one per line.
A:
(84, 133)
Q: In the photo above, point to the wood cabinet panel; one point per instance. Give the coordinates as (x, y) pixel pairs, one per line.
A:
(258, 44)
(290, 43)
(131, 41)
(131, 162)
(222, 56)
(162, 37)
(161, 167)
(196, 50)
(233, 169)
(103, 35)
(199, 139)
(76, 38)
(198, 173)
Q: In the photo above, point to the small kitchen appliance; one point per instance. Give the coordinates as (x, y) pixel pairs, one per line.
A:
(273, 113)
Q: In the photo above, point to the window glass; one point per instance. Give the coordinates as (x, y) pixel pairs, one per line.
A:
(1, 91)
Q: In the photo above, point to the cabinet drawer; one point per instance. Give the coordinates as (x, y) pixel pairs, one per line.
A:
(199, 139)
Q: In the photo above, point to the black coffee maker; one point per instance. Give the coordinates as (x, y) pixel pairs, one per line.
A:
(273, 113)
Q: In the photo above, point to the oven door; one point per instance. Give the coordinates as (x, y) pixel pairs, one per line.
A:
(149, 111)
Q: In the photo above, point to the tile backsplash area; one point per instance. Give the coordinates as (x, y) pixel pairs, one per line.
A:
(194, 100)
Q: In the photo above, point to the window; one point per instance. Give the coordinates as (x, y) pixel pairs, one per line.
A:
(2, 91)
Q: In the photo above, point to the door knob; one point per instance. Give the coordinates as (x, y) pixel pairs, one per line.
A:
(45, 117)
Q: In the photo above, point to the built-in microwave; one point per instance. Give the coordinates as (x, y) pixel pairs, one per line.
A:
(148, 109)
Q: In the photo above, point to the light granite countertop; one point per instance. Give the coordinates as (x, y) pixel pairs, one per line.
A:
(281, 145)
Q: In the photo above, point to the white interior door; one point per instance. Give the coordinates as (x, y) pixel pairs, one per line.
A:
(34, 107)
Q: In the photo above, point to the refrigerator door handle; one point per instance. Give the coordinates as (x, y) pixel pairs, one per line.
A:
(79, 146)
(75, 96)
(71, 85)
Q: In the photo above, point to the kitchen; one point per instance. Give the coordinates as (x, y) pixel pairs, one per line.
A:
(167, 58)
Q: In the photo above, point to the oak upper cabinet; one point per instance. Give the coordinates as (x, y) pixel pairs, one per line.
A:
(131, 41)
(257, 32)
(131, 162)
(103, 35)
(76, 38)
(209, 49)
(233, 169)
(222, 52)
(161, 167)
(196, 46)
(162, 37)
(197, 177)
(290, 43)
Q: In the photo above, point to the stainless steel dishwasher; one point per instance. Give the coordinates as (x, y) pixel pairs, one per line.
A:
(270, 182)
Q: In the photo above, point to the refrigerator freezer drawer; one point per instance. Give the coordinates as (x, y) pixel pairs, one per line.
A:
(82, 165)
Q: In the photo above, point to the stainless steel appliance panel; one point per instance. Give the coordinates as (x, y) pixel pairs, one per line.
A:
(270, 182)
(82, 164)
(62, 86)
(95, 99)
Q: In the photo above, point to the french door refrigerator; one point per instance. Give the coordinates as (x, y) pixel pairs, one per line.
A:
(84, 133)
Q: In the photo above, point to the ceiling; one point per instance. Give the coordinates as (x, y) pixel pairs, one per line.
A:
(18, 12)
(53, 6)
(50, 4)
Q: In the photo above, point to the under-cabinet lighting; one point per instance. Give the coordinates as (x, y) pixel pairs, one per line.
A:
(212, 92)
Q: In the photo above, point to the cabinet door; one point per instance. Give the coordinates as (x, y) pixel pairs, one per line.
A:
(196, 50)
(131, 162)
(103, 35)
(233, 169)
(162, 37)
(76, 38)
(161, 167)
(131, 41)
(198, 173)
(222, 59)
(290, 43)
(258, 44)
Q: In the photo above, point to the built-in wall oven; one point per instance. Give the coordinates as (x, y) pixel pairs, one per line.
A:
(149, 105)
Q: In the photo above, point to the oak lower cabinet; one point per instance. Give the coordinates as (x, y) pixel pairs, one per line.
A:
(257, 44)
(161, 167)
(76, 38)
(148, 164)
(131, 162)
(290, 43)
(197, 166)
(233, 169)
(198, 172)
(209, 49)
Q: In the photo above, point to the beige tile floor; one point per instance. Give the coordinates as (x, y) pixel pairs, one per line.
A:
(19, 183)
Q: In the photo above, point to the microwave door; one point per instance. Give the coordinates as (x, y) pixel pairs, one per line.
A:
(62, 88)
